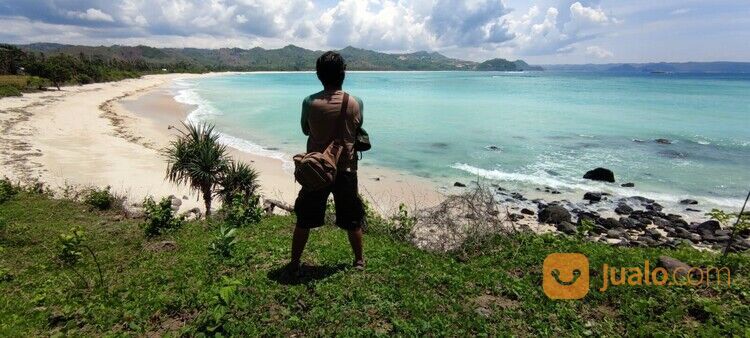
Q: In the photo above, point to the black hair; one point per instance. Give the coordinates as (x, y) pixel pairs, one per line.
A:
(331, 68)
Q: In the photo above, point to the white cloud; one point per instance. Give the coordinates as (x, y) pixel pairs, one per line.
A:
(91, 14)
(542, 34)
(680, 11)
(598, 52)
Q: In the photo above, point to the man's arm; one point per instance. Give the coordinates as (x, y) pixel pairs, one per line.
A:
(305, 113)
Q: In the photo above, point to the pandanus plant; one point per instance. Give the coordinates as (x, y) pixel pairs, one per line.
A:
(239, 179)
(197, 159)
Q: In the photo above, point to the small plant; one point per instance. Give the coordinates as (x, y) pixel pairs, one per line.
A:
(101, 199)
(160, 217)
(7, 189)
(71, 253)
(224, 242)
(71, 247)
(741, 223)
(243, 211)
(213, 321)
(586, 226)
(404, 223)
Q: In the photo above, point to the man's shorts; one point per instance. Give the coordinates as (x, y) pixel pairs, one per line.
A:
(310, 206)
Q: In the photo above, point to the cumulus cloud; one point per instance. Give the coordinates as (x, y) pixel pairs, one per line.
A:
(91, 14)
(474, 26)
(540, 33)
(598, 52)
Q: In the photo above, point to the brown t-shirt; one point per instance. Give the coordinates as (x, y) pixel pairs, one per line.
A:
(320, 113)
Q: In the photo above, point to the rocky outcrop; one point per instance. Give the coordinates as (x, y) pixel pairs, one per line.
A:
(600, 174)
(554, 214)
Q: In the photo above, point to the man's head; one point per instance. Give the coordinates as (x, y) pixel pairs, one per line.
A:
(331, 69)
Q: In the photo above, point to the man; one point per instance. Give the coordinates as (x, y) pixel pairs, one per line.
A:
(320, 122)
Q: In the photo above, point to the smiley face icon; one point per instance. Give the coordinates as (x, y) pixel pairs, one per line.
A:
(565, 276)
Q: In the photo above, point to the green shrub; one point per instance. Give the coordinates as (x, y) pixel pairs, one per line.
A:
(159, 217)
(398, 227)
(37, 83)
(71, 247)
(8, 90)
(101, 199)
(84, 79)
(7, 189)
(243, 211)
(224, 242)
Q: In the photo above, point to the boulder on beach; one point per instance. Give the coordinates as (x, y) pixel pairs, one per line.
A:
(459, 184)
(554, 214)
(628, 185)
(600, 174)
(592, 197)
(689, 201)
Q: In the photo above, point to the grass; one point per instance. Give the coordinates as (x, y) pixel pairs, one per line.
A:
(404, 291)
(14, 85)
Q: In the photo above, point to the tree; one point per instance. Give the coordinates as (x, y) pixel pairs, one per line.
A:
(238, 178)
(198, 160)
(58, 69)
(10, 59)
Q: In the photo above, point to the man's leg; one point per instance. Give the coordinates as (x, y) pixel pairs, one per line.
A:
(299, 240)
(355, 239)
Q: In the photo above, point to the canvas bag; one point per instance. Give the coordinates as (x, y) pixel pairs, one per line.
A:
(315, 170)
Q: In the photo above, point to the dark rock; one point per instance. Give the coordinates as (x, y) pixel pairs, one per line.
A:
(674, 266)
(554, 214)
(492, 148)
(662, 141)
(600, 174)
(722, 239)
(723, 232)
(689, 201)
(590, 216)
(614, 233)
(555, 192)
(630, 223)
(598, 229)
(641, 199)
(654, 207)
(627, 185)
(709, 226)
(692, 210)
(518, 196)
(567, 228)
(593, 197)
(527, 212)
(623, 209)
(653, 233)
(660, 222)
(459, 184)
(515, 217)
(610, 223)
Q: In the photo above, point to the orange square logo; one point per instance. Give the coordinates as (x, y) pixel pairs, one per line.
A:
(565, 276)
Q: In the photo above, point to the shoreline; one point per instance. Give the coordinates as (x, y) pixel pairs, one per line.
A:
(110, 134)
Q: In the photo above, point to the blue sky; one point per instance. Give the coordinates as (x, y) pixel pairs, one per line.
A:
(543, 31)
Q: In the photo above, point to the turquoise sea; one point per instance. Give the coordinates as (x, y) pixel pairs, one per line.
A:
(520, 130)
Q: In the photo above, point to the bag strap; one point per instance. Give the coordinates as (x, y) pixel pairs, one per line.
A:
(341, 126)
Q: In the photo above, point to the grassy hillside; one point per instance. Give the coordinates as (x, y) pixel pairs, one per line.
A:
(157, 289)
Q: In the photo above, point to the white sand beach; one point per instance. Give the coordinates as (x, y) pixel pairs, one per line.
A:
(84, 135)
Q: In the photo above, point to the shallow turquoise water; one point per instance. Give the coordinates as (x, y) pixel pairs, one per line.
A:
(550, 128)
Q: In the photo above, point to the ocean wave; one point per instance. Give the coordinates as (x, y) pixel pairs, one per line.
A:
(203, 109)
(545, 179)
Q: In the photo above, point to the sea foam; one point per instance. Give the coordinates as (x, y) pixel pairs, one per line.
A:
(186, 94)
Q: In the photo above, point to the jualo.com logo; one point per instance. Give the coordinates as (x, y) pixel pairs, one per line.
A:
(567, 276)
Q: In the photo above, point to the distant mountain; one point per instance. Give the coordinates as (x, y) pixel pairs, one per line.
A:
(659, 67)
(505, 65)
(289, 58)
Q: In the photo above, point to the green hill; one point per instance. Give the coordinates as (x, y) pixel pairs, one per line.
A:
(289, 58)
